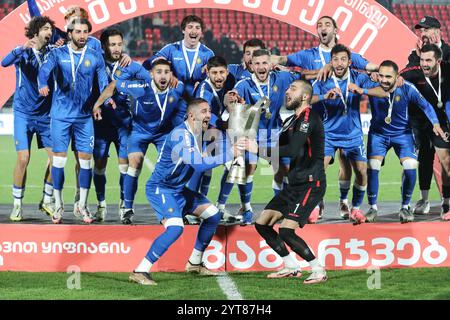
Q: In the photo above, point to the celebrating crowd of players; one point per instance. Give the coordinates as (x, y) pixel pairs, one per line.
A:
(71, 87)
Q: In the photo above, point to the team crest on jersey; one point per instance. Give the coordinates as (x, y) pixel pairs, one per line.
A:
(118, 73)
(87, 63)
(171, 99)
(398, 98)
(275, 88)
(199, 61)
(304, 127)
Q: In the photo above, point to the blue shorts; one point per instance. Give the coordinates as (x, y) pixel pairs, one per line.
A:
(103, 140)
(138, 141)
(170, 204)
(353, 149)
(25, 128)
(81, 131)
(379, 145)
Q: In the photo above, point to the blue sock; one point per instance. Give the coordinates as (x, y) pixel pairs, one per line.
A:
(163, 242)
(245, 191)
(85, 178)
(225, 188)
(206, 180)
(372, 185)
(100, 185)
(130, 187)
(206, 231)
(121, 183)
(408, 183)
(344, 188)
(58, 178)
(358, 195)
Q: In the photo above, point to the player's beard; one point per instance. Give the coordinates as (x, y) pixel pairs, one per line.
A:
(295, 104)
(78, 44)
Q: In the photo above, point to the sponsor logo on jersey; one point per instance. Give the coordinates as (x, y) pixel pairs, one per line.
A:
(304, 127)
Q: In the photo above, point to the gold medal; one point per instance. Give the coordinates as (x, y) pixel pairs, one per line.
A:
(199, 61)
(268, 115)
(87, 63)
(118, 73)
(440, 104)
(388, 120)
(171, 99)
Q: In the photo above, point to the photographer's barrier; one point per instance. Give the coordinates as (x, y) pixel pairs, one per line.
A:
(53, 248)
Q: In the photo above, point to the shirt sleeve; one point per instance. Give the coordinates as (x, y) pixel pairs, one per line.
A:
(422, 103)
(192, 157)
(46, 69)
(359, 62)
(33, 8)
(165, 53)
(13, 57)
(299, 59)
(365, 82)
(136, 89)
(102, 77)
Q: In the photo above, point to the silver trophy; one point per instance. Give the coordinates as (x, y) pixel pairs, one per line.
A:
(244, 122)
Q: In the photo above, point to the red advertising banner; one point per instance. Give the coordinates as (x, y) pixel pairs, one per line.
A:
(365, 26)
(50, 248)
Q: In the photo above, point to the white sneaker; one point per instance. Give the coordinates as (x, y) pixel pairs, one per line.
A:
(227, 217)
(57, 215)
(76, 211)
(344, 210)
(316, 276)
(121, 208)
(422, 207)
(101, 213)
(84, 214)
(16, 214)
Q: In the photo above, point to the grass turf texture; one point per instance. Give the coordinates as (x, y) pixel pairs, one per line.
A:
(396, 284)
(390, 179)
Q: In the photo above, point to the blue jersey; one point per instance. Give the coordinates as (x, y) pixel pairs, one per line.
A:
(174, 53)
(71, 99)
(120, 117)
(401, 98)
(57, 33)
(239, 71)
(275, 88)
(27, 101)
(149, 116)
(310, 59)
(180, 156)
(341, 123)
(214, 97)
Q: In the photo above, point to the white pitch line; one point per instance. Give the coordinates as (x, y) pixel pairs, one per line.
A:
(228, 287)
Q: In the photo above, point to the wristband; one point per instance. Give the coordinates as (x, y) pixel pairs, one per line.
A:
(365, 91)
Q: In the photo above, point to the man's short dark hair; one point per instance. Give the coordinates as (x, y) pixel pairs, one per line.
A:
(216, 61)
(390, 63)
(254, 43)
(306, 87)
(159, 62)
(432, 47)
(341, 48)
(260, 53)
(33, 27)
(192, 103)
(192, 18)
(71, 26)
(110, 32)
